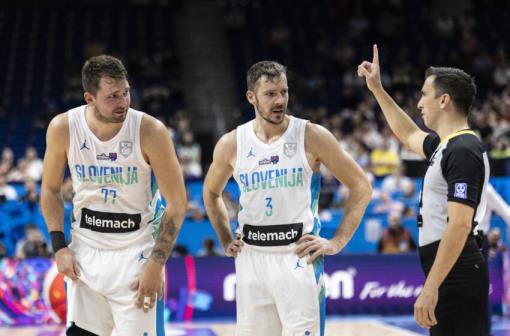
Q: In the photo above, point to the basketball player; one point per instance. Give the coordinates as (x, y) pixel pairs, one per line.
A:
(275, 159)
(114, 264)
(453, 300)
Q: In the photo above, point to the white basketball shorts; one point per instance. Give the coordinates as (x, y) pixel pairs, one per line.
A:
(279, 294)
(102, 302)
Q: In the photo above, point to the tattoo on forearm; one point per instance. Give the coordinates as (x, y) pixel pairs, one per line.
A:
(166, 239)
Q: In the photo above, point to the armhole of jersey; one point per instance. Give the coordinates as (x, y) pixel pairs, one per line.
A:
(70, 120)
(138, 139)
(301, 137)
(239, 150)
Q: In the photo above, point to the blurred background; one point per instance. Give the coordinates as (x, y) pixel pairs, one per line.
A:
(187, 62)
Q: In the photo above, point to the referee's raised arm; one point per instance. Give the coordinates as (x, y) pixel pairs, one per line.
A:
(401, 124)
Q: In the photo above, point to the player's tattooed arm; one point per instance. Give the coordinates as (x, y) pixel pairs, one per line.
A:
(159, 152)
(168, 231)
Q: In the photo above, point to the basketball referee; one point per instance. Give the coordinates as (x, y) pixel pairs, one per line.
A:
(454, 297)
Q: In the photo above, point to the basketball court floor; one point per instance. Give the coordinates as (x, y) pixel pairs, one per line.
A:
(344, 326)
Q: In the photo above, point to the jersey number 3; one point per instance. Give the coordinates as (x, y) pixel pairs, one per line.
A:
(269, 206)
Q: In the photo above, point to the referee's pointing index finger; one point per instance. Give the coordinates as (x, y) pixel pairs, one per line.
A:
(375, 60)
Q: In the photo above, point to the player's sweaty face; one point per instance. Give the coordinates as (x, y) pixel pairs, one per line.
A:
(112, 100)
(272, 98)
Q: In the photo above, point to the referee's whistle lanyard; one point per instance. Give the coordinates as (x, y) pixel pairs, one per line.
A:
(419, 219)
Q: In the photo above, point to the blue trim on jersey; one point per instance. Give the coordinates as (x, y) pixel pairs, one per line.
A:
(315, 190)
(67, 305)
(154, 185)
(160, 315)
(318, 267)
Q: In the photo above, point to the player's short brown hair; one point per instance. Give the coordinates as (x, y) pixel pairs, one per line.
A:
(101, 66)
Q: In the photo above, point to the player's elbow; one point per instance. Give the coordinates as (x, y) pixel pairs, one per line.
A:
(209, 196)
(364, 189)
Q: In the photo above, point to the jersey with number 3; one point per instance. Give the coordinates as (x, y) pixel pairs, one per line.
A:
(279, 190)
(116, 203)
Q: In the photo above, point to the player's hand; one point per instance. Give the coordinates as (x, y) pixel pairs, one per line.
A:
(149, 284)
(424, 308)
(67, 264)
(371, 71)
(317, 246)
(234, 247)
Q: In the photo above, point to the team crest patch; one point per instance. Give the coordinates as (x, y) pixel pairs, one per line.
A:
(460, 190)
(290, 149)
(125, 148)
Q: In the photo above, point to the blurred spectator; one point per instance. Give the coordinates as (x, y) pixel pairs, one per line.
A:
(32, 245)
(180, 251)
(209, 249)
(34, 164)
(18, 173)
(31, 196)
(189, 153)
(496, 246)
(396, 182)
(7, 192)
(500, 151)
(329, 187)
(196, 210)
(396, 238)
(386, 204)
(384, 159)
(7, 162)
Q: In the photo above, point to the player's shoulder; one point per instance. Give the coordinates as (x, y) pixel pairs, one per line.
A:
(59, 124)
(315, 134)
(151, 125)
(228, 141)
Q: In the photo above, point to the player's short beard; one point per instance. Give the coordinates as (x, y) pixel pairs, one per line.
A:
(268, 119)
(101, 118)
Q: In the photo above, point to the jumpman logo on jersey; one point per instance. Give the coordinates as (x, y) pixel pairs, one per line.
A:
(250, 154)
(84, 145)
(142, 257)
(298, 265)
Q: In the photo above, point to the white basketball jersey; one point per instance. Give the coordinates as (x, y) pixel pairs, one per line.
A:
(115, 203)
(279, 190)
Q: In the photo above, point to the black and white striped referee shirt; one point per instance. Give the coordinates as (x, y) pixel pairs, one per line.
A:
(458, 172)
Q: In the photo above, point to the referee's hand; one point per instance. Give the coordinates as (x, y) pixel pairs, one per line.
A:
(424, 308)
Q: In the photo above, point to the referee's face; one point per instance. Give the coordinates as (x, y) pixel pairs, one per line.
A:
(429, 104)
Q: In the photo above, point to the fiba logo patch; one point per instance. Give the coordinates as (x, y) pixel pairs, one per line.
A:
(460, 190)
(54, 294)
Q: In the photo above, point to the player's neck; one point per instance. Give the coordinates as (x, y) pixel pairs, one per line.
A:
(268, 132)
(104, 131)
(448, 127)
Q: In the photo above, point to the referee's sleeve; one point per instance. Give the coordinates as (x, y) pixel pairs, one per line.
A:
(463, 170)
(430, 144)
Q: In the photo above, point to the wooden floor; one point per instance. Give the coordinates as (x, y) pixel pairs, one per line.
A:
(333, 328)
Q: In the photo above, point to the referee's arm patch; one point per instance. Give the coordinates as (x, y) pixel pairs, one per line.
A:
(460, 190)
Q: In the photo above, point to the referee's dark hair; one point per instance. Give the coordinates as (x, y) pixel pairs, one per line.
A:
(457, 84)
